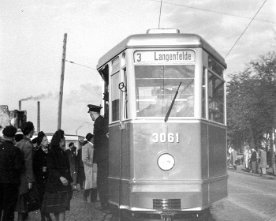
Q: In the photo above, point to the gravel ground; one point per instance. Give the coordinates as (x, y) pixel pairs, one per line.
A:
(79, 211)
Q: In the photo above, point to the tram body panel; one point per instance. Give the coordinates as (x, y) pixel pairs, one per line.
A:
(186, 150)
(140, 181)
(217, 154)
(119, 163)
(213, 163)
(204, 151)
(182, 185)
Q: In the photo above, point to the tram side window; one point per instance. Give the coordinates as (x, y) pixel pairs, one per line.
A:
(104, 73)
(215, 66)
(216, 98)
(125, 95)
(203, 94)
(115, 95)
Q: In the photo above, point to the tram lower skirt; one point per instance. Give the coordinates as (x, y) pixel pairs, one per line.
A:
(124, 215)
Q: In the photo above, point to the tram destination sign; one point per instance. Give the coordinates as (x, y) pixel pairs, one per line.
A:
(167, 57)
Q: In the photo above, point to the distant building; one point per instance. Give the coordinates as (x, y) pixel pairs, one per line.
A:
(4, 116)
(14, 117)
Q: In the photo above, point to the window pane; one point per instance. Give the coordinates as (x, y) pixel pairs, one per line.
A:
(125, 95)
(186, 71)
(156, 87)
(216, 98)
(115, 95)
(203, 94)
(215, 66)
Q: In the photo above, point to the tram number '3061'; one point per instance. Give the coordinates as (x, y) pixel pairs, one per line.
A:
(164, 137)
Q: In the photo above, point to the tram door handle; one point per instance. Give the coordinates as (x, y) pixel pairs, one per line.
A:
(122, 88)
(122, 125)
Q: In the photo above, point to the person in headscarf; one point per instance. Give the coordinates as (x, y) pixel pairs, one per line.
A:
(41, 170)
(58, 190)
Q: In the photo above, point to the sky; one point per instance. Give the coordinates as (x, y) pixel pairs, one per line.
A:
(32, 32)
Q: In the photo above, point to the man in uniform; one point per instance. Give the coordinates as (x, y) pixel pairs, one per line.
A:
(101, 152)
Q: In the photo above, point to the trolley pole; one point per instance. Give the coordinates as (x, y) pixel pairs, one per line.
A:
(62, 81)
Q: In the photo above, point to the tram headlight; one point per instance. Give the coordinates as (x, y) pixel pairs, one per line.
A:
(165, 162)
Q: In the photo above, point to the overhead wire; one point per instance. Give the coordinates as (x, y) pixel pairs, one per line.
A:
(86, 66)
(252, 19)
(213, 11)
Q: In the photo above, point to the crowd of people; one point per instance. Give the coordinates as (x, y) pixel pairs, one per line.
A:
(255, 161)
(35, 174)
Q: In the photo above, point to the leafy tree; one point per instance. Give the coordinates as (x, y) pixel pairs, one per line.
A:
(251, 102)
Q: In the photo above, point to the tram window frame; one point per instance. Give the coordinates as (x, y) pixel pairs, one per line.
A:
(216, 103)
(104, 72)
(125, 97)
(115, 92)
(204, 93)
(215, 66)
(188, 97)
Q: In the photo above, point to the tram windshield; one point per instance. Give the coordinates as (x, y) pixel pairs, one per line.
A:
(156, 87)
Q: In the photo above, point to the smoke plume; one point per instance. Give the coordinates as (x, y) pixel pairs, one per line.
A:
(39, 97)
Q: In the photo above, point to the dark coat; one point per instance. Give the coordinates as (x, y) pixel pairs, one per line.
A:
(100, 140)
(40, 161)
(253, 156)
(79, 160)
(11, 162)
(26, 146)
(72, 157)
(58, 166)
(80, 173)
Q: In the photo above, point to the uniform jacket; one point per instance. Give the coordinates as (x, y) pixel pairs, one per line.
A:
(26, 147)
(58, 166)
(11, 162)
(100, 139)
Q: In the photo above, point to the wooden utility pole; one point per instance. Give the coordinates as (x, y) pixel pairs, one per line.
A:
(61, 81)
(38, 117)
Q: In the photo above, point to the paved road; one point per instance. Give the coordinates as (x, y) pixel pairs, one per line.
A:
(250, 198)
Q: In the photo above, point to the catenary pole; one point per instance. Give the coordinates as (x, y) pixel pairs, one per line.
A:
(61, 81)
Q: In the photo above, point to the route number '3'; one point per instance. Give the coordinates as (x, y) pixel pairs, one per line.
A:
(163, 137)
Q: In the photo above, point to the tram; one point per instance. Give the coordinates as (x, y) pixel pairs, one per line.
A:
(165, 102)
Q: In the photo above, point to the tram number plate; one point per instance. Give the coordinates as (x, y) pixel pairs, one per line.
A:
(165, 137)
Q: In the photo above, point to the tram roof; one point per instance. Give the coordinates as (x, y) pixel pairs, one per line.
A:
(160, 40)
